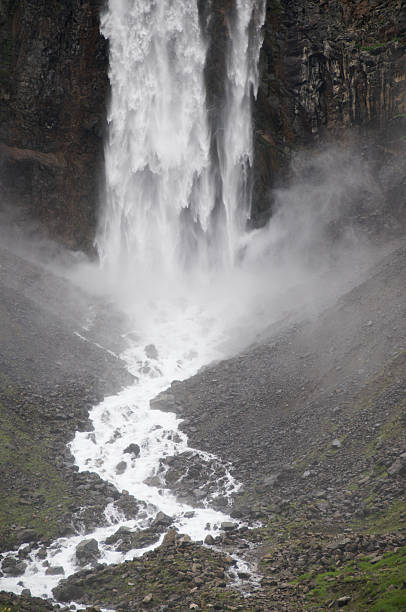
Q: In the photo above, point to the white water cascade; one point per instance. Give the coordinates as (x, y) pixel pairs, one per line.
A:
(157, 155)
(236, 144)
(162, 252)
(160, 192)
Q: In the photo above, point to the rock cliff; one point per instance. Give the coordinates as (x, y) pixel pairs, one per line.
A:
(53, 89)
(329, 69)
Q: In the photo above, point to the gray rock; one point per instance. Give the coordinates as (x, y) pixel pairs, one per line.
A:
(128, 506)
(13, 567)
(228, 526)
(87, 551)
(199, 494)
(397, 468)
(336, 443)
(153, 481)
(162, 520)
(272, 480)
(55, 571)
(24, 550)
(243, 575)
(343, 601)
(124, 539)
(164, 402)
(151, 351)
(133, 449)
(121, 467)
(184, 540)
(67, 592)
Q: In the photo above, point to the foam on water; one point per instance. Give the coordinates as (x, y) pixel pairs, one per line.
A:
(184, 339)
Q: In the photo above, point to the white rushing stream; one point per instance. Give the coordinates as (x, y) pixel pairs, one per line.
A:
(162, 251)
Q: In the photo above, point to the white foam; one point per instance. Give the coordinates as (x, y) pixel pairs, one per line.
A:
(127, 418)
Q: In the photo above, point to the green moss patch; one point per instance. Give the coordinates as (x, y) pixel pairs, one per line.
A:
(376, 585)
(37, 495)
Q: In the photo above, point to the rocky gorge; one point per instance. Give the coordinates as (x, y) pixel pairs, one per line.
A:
(309, 417)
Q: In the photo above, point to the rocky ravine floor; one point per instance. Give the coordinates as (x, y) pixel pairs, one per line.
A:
(49, 379)
(313, 421)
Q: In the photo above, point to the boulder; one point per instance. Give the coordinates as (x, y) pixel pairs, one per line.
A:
(162, 520)
(13, 567)
(124, 539)
(67, 592)
(55, 571)
(87, 551)
(228, 526)
(163, 401)
(397, 468)
(343, 601)
(121, 467)
(128, 506)
(133, 449)
(153, 481)
(272, 480)
(151, 351)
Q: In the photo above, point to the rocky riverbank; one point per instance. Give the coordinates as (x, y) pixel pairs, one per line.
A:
(49, 380)
(311, 420)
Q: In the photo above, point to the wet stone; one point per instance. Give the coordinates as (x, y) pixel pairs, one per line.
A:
(121, 467)
(151, 351)
(87, 551)
(162, 520)
(55, 571)
(125, 540)
(228, 526)
(67, 592)
(209, 540)
(13, 567)
(128, 505)
(133, 449)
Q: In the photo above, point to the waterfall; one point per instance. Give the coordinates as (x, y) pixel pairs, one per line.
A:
(160, 195)
(236, 143)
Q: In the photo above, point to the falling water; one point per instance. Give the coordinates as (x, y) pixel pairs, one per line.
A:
(157, 154)
(236, 144)
(160, 194)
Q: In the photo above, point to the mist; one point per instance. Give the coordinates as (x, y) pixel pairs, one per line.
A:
(319, 241)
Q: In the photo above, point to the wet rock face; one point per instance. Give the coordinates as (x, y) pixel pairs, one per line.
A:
(327, 68)
(13, 567)
(87, 552)
(53, 88)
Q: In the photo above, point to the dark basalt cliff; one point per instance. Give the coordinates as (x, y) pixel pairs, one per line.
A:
(53, 90)
(332, 69)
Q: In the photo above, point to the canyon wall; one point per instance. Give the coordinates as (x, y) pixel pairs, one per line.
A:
(53, 91)
(330, 70)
